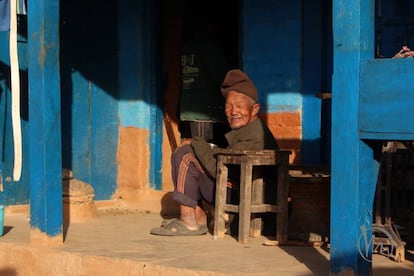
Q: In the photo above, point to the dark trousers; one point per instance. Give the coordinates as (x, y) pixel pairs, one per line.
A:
(191, 183)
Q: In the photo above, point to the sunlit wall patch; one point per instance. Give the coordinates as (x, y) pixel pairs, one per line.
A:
(281, 102)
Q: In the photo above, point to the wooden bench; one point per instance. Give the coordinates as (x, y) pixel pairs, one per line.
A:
(252, 193)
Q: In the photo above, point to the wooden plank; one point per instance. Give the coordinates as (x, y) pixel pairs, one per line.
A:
(257, 200)
(245, 200)
(295, 243)
(282, 201)
(231, 208)
(221, 193)
(251, 201)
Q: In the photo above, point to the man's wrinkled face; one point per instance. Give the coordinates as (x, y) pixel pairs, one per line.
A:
(240, 109)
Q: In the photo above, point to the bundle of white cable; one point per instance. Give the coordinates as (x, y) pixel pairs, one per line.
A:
(15, 90)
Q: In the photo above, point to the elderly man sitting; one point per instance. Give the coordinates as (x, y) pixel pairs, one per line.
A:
(194, 163)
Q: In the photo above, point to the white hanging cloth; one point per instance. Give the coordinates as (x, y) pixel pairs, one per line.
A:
(15, 91)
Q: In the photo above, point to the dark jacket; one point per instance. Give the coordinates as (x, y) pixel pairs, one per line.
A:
(254, 136)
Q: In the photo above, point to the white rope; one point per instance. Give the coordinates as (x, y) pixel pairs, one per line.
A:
(15, 90)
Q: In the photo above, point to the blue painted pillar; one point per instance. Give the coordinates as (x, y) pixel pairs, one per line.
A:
(353, 168)
(46, 212)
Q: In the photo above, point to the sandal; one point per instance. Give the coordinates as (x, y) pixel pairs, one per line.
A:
(175, 227)
(167, 221)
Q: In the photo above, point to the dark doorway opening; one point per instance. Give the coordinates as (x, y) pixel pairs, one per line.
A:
(179, 20)
(222, 14)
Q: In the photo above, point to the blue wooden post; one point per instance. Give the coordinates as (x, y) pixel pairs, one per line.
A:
(353, 167)
(46, 210)
(154, 98)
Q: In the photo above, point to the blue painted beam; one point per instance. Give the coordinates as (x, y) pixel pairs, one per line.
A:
(154, 98)
(387, 99)
(353, 168)
(45, 118)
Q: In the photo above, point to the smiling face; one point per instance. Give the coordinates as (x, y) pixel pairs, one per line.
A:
(240, 109)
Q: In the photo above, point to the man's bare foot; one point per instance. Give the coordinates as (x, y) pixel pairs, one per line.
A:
(188, 217)
(201, 216)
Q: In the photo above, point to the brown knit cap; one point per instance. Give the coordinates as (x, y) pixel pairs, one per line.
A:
(236, 80)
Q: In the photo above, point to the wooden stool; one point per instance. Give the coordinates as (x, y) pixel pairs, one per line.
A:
(251, 197)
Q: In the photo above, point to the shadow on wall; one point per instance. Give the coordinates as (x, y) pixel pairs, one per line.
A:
(8, 271)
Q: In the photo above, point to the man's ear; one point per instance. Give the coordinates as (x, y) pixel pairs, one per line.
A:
(255, 109)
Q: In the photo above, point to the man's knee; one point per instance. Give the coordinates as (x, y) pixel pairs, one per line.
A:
(182, 155)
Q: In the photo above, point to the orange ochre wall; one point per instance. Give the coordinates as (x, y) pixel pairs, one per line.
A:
(133, 164)
(287, 129)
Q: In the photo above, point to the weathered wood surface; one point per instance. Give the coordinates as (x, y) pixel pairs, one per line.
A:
(251, 194)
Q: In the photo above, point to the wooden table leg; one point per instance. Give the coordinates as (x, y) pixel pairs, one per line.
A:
(245, 200)
(221, 195)
(258, 194)
(282, 201)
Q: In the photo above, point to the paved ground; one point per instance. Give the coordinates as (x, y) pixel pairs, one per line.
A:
(126, 236)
